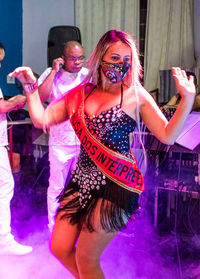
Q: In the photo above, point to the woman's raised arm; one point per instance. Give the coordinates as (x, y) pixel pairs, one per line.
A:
(167, 132)
(53, 114)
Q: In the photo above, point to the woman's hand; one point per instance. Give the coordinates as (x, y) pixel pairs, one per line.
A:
(24, 75)
(185, 85)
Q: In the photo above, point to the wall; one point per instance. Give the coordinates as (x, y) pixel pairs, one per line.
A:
(38, 17)
(11, 37)
(34, 18)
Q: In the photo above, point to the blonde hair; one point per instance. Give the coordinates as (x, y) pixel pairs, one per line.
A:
(108, 39)
(131, 80)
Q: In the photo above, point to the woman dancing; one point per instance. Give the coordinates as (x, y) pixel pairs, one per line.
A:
(106, 183)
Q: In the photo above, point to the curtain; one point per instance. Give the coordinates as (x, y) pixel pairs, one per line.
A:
(94, 18)
(197, 38)
(169, 39)
(196, 30)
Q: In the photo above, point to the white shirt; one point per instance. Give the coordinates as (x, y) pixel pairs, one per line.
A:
(3, 126)
(63, 134)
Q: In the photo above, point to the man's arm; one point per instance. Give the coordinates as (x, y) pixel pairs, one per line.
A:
(13, 103)
(41, 117)
(45, 87)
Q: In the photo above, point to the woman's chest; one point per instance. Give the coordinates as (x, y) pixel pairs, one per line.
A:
(97, 103)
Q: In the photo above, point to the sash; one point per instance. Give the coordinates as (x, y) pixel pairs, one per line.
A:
(117, 167)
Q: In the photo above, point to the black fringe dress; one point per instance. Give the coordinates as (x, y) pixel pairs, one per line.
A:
(88, 184)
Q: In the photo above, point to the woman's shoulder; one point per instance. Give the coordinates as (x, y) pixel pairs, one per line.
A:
(141, 90)
(143, 95)
(138, 93)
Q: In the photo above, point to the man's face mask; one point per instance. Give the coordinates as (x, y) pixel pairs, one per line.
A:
(115, 72)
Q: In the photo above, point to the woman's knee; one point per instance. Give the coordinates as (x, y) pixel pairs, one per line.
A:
(60, 251)
(60, 247)
(55, 248)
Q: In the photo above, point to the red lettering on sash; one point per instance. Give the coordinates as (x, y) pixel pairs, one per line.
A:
(115, 166)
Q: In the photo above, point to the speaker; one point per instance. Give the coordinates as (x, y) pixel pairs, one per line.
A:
(57, 36)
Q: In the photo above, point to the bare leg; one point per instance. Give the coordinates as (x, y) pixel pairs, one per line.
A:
(84, 261)
(63, 242)
(89, 249)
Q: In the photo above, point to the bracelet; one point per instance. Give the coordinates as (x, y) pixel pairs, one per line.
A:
(30, 87)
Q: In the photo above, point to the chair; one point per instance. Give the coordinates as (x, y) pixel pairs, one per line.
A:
(57, 36)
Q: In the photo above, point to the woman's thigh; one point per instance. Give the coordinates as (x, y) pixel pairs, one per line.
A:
(65, 234)
(91, 244)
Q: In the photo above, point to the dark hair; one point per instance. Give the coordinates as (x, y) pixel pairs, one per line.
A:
(188, 73)
(2, 46)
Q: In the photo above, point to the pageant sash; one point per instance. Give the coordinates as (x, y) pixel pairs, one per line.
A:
(117, 167)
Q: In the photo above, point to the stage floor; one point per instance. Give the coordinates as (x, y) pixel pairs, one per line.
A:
(139, 252)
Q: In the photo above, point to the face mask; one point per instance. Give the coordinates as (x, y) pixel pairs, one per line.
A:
(115, 72)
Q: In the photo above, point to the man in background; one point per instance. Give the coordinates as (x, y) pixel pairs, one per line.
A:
(66, 72)
(7, 243)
